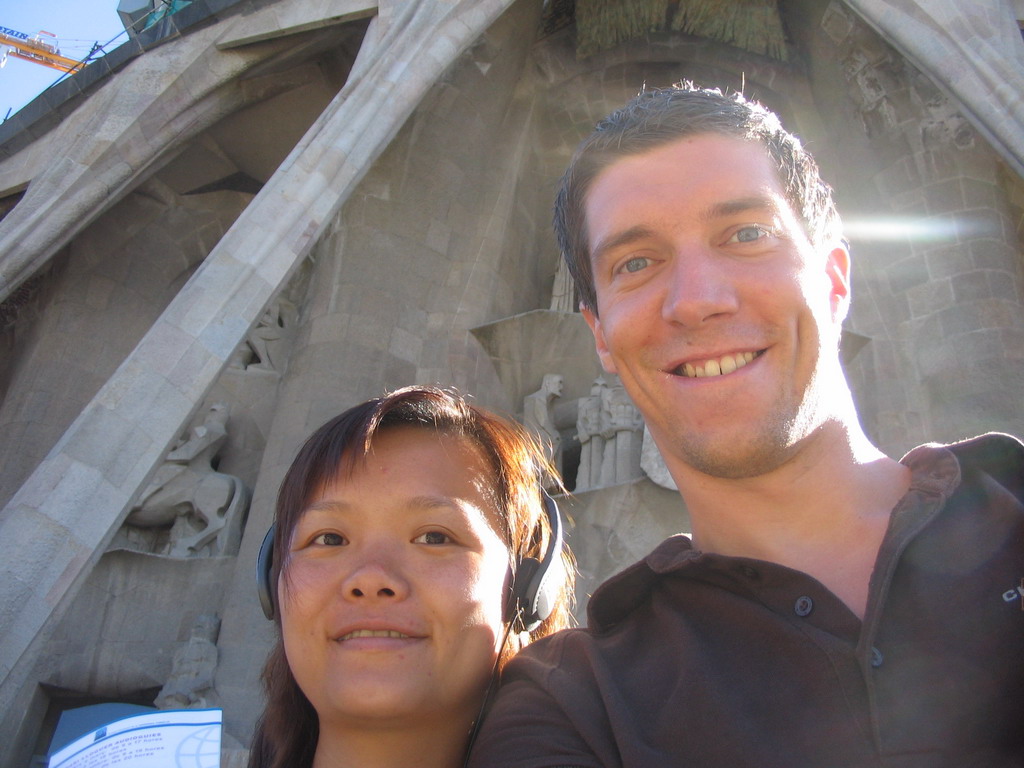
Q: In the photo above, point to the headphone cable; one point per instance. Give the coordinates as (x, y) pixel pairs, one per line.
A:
(489, 690)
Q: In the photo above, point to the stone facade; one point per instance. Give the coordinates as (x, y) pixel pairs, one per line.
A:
(290, 206)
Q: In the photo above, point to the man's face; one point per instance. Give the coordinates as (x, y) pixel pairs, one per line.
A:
(714, 309)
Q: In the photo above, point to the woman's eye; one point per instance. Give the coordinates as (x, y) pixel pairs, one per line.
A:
(635, 264)
(748, 234)
(433, 537)
(330, 540)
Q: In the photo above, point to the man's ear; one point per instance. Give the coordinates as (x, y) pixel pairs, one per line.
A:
(837, 267)
(599, 341)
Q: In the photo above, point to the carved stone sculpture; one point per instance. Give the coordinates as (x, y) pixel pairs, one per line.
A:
(622, 429)
(539, 417)
(653, 464)
(588, 431)
(944, 124)
(203, 508)
(264, 344)
(190, 685)
(623, 436)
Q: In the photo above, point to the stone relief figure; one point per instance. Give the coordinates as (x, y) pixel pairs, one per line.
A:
(943, 125)
(622, 429)
(653, 465)
(562, 291)
(588, 431)
(539, 417)
(190, 685)
(203, 508)
(264, 344)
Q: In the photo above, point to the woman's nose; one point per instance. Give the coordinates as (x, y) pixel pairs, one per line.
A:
(376, 578)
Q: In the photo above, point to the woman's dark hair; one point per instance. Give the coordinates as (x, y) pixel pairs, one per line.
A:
(287, 733)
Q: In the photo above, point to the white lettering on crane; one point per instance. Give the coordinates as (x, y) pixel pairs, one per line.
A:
(13, 33)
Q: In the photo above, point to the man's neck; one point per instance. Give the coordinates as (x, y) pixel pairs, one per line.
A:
(824, 512)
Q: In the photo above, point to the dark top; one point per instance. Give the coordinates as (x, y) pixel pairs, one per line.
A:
(696, 659)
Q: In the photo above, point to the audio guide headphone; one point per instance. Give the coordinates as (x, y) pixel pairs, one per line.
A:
(532, 596)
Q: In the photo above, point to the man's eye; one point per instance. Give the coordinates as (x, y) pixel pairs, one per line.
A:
(330, 540)
(433, 537)
(748, 234)
(635, 264)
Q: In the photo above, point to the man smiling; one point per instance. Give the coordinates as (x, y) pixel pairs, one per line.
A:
(834, 606)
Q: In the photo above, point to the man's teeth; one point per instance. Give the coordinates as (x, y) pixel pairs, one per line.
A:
(373, 633)
(720, 367)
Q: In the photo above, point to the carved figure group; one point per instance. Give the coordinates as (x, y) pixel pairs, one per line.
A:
(610, 431)
(203, 508)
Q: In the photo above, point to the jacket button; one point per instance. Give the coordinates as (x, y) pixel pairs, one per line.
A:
(803, 605)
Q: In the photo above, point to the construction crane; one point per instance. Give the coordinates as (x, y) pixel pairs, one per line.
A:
(40, 48)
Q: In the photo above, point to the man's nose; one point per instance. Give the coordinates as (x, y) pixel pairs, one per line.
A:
(700, 287)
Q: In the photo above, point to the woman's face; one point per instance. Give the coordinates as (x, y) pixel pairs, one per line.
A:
(391, 599)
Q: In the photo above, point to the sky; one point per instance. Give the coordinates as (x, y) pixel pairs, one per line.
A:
(77, 25)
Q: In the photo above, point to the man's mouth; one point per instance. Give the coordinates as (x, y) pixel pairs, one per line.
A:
(373, 633)
(718, 366)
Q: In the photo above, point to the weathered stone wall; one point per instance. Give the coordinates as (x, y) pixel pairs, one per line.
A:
(443, 257)
(936, 259)
(431, 244)
(103, 293)
(88, 311)
(114, 280)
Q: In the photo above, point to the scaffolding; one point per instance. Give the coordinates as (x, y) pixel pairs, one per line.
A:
(40, 48)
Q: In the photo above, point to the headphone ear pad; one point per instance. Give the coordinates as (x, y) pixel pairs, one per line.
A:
(264, 566)
(525, 583)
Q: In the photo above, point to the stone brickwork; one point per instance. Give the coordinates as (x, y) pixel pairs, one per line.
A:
(59, 522)
(944, 281)
(101, 295)
(391, 181)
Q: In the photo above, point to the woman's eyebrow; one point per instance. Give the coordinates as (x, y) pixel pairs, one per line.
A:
(326, 505)
(423, 501)
(431, 501)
